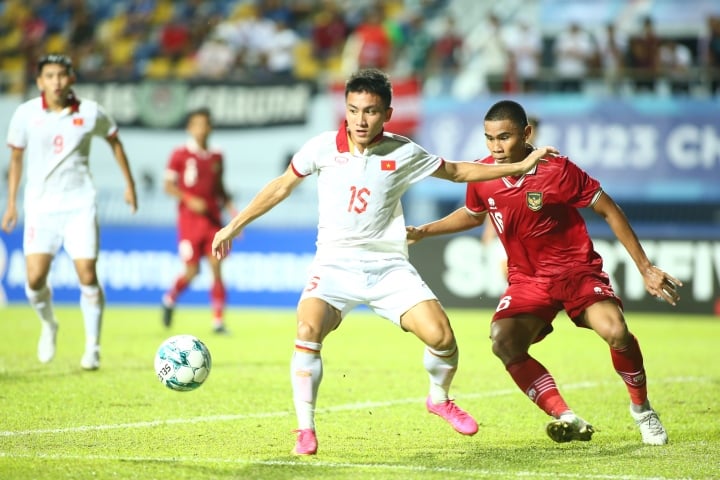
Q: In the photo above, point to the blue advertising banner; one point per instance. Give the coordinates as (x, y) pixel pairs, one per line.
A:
(267, 267)
(648, 149)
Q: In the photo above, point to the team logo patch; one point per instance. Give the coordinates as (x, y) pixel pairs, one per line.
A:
(388, 165)
(534, 200)
(78, 121)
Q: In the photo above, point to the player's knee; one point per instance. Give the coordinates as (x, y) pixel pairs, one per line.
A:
(616, 335)
(191, 271)
(442, 340)
(36, 276)
(36, 282)
(309, 332)
(87, 277)
(506, 349)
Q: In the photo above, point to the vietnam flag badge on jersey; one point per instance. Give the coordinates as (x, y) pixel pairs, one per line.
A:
(78, 121)
(387, 165)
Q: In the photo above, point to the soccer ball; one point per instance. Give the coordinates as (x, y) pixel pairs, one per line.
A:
(182, 363)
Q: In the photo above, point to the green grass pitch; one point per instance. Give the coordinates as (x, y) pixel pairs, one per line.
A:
(57, 421)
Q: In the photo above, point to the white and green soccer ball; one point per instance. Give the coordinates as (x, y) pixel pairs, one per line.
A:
(182, 363)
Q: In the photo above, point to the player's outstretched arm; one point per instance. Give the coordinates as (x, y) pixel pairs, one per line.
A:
(657, 282)
(10, 217)
(458, 221)
(480, 172)
(271, 194)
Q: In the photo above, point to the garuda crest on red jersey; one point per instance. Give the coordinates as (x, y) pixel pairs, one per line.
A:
(534, 200)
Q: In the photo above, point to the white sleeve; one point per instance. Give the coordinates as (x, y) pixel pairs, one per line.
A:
(304, 162)
(105, 126)
(424, 163)
(17, 130)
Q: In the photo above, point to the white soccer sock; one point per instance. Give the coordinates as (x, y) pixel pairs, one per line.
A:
(41, 302)
(306, 371)
(441, 365)
(92, 303)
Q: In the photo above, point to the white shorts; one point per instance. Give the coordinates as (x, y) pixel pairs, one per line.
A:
(389, 287)
(76, 230)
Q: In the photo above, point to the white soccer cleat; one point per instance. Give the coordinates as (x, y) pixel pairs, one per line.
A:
(652, 430)
(46, 344)
(569, 427)
(90, 360)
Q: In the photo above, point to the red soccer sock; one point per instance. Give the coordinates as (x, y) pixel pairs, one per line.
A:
(181, 283)
(217, 299)
(628, 363)
(537, 383)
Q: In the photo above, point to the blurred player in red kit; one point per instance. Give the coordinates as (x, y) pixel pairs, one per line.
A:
(552, 266)
(195, 177)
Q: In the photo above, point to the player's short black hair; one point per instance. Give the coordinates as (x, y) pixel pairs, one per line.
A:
(371, 80)
(202, 111)
(55, 59)
(508, 110)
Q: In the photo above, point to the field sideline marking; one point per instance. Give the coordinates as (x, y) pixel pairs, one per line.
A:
(320, 464)
(337, 408)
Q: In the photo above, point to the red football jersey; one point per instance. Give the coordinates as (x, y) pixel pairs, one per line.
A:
(198, 173)
(537, 219)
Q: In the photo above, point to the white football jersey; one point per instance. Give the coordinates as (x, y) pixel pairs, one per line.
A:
(57, 146)
(359, 193)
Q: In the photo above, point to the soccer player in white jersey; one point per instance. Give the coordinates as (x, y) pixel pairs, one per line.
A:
(56, 129)
(361, 253)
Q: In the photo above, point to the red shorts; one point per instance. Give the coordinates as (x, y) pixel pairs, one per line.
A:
(573, 292)
(195, 241)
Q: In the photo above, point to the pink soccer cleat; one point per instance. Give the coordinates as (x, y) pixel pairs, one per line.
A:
(306, 443)
(460, 420)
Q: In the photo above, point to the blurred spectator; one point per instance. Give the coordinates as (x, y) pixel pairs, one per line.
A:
(171, 39)
(328, 31)
(279, 55)
(612, 50)
(91, 62)
(485, 56)
(175, 40)
(369, 45)
(445, 59)
(140, 14)
(524, 44)
(215, 59)
(711, 52)
(392, 11)
(275, 11)
(573, 50)
(643, 57)
(255, 35)
(81, 27)
(675, 61)
(417, 47)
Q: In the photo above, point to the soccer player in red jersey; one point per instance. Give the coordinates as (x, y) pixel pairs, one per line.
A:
(552, 266)
(194, 176)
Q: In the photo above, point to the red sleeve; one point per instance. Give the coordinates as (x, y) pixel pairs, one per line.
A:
(473, 202)
(175, 163)
(578, 187)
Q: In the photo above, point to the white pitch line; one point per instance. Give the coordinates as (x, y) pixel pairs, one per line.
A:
(337, 408)
(313, 463)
